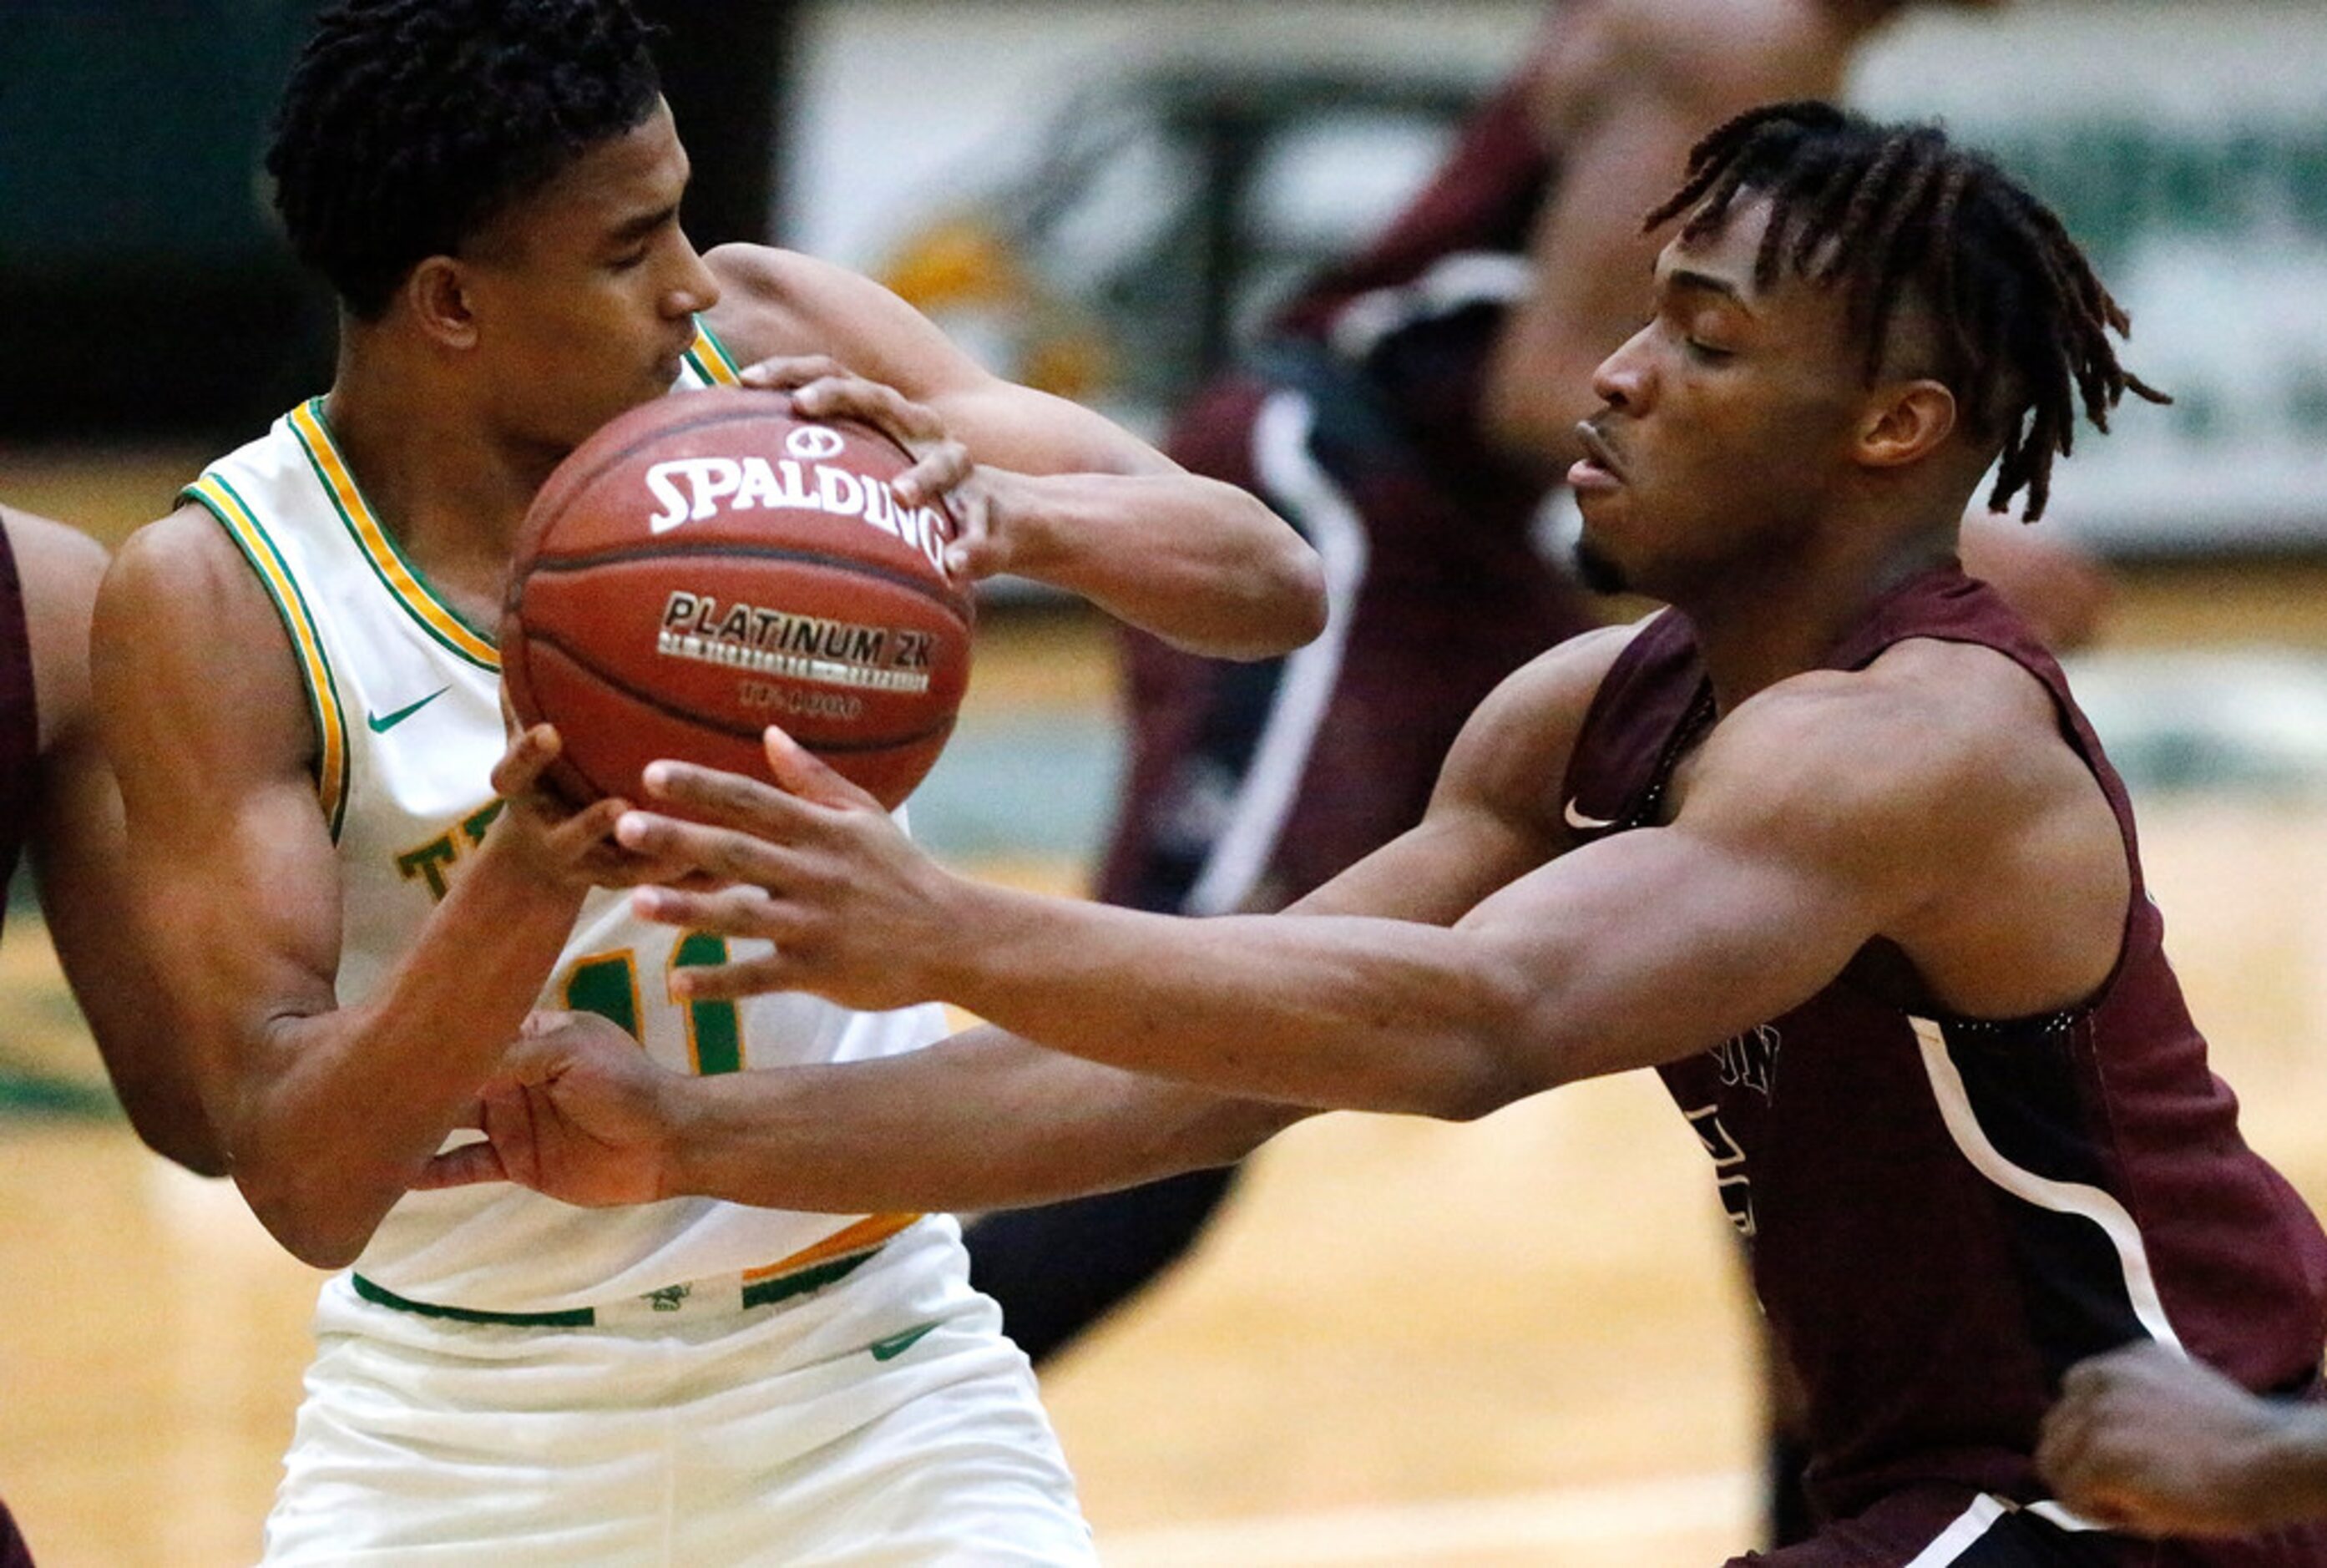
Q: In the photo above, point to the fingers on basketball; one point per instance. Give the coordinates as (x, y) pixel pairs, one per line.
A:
(713, 563)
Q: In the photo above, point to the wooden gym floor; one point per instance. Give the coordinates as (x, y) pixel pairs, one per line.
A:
(1517, 1342)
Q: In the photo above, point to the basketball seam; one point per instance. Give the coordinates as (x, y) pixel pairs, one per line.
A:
(709, 722)
(619, 554)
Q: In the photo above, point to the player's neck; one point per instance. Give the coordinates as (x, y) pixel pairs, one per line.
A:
(1762, 627)
(450, 493)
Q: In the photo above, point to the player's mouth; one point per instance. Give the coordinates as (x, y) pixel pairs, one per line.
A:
(1598, 468)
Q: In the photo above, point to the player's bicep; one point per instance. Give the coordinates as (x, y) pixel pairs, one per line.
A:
(1799, 836)
(201, 707)
(1493, 814)
(1646, 946)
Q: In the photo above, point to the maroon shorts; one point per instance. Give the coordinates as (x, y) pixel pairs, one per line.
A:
(1956, 1527)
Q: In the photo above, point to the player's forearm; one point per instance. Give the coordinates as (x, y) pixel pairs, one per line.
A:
(1323, 1011)
(2288, 1483)
(325, 1145)
(982, 1121)
(1202, 564)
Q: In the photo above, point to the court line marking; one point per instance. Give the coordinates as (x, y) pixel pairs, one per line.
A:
(1622, 1512)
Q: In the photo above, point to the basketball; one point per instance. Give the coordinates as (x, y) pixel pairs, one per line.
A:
(712, 563)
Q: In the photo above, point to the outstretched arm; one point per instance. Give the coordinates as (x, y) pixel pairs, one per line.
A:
(1933, 803)
(2147, 1440)
(980, 1121)
(1070, 499)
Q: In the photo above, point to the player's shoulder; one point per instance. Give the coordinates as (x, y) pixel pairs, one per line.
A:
(1929, 728)
(1959, 693)
(183, 543)
(185, 635)
(1571, 671)
(1549, 696)
(1526, 728)
(182, 567)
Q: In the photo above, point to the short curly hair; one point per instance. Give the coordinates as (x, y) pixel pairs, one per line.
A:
(406, 125)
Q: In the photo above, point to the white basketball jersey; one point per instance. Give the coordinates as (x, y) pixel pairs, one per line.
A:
(405, 696)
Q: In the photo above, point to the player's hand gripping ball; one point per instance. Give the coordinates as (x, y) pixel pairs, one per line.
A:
(712, 563)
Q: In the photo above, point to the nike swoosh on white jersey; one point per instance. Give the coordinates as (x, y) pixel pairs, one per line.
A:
(1576, 819)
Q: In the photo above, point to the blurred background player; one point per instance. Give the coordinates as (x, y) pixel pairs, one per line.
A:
(60, 808)
(59, 804)
(357, 906)
(1410, 411)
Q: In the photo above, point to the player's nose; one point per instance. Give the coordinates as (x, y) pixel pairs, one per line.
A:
(1621, 379)
(696, 288)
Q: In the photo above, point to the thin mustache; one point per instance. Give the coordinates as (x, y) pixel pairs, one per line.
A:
(1598, 447)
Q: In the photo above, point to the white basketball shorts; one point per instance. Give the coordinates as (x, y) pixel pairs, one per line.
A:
(883, 1420)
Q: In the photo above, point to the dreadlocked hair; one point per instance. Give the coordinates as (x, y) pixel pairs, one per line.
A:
(1887, 212)
(406, 125)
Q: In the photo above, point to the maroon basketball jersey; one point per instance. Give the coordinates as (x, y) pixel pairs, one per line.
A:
(1417, 312)
(1945, 1213)
(20, 719)
(1251, 784)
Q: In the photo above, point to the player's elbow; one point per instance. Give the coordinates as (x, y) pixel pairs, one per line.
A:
(315, 1238)
(1481, 1081)
(317, 1221)
(1476, 1064)
(1301, 595)
(163, 1109)
(181, 1135)
(1280, 604)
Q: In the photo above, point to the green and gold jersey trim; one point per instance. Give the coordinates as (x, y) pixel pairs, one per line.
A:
(242, 526)
(402, 580)
(711, 360)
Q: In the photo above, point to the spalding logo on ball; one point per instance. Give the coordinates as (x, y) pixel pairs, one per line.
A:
(713, 563)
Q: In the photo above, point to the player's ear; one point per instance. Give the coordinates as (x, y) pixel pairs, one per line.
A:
(1904, 422)
(437, 292)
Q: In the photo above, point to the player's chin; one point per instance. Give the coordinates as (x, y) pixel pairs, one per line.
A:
(1599, 505)
(654, 381)
(1597, 568)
